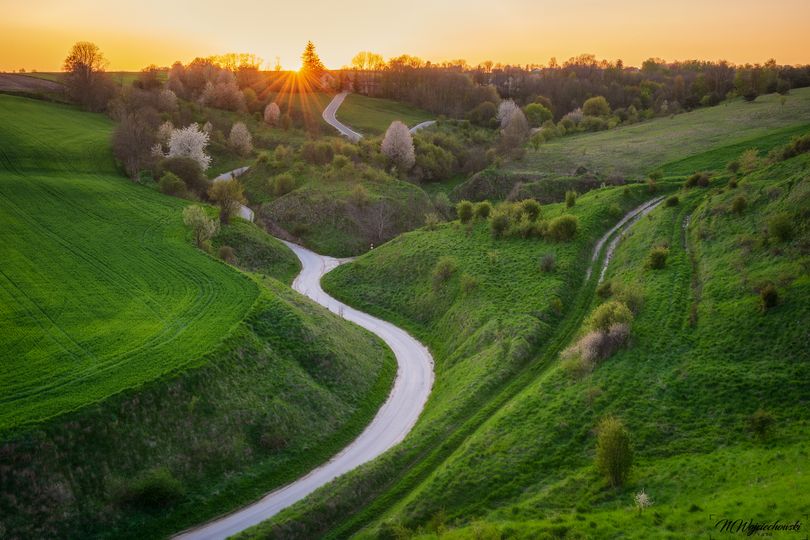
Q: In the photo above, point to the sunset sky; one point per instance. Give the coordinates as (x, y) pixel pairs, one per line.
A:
(37, 34)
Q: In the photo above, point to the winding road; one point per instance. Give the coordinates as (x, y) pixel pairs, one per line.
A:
(330, 112)
(393, 421)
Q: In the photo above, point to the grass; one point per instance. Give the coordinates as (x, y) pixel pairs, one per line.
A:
(680, 380)
(505, 447)
(101, 290)
(134, 362)
(372, 116)
(483, 341)
(121, 78)
(704, 138)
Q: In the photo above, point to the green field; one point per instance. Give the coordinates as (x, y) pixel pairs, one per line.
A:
(127, 352)
(702, 139)
(505, 448)
(372, 116)
(632, 151)
(100, 290)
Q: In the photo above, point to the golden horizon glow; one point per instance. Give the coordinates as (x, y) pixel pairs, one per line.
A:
(38, 35)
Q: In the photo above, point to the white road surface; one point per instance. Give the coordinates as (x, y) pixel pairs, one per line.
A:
(329, 116)
(330, 112)
(392, 423)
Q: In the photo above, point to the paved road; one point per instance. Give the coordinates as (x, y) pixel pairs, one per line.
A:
(422, 125)
(330, 118)
(394, 420)
(331, 110)
(244, 211)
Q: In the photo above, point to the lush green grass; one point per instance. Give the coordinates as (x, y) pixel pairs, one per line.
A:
(372, 116)
(635, 150)
(257, 251)
(122, 78)
(685, 388)
(506, 445)
(126, 350)
(706, 138)
(287, 390)
(483, 339)
(324, 213)
(101, 289)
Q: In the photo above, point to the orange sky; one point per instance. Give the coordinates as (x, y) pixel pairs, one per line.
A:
(37, 34)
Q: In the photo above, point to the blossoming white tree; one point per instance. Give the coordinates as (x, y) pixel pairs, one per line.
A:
(190, 142)
(505, 110)
(272, 113)
(240, 139)
(398, 145)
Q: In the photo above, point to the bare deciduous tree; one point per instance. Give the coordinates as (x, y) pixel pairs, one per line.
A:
(132, 143)
(86, 81)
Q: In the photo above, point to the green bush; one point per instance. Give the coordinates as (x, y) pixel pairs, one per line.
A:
(548, 262)
(700, 179)
(432, 221)
(483, 209)
(733, 166)
(614, 455)
(469, 283)
(340, 162)
(154, 490)
(563, 228)
(673, 201)
(761, 424)
(657, 258)
(596, 106)
(359, 195)
(465, 211)
(739, 204)
(171, 184)
(604, 289)
(227, 254)
(317, 153)
(780, 227)
(531, 209)
(798, 145)
(188, 170)
(768, 297)
(282, 155)
(608, 314)
(444, 270)
(537, 114)
(499, 222)
(283, 184)
(570, 198)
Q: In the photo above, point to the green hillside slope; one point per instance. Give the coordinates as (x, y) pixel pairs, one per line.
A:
(506, 446)
(100, 290)
(146, 386)
(631, 152)
(372, 116)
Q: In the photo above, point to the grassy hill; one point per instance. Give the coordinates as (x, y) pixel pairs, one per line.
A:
(100, 289)
(146, 385)
(631, 152)
(505, 448)
(372, 116)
